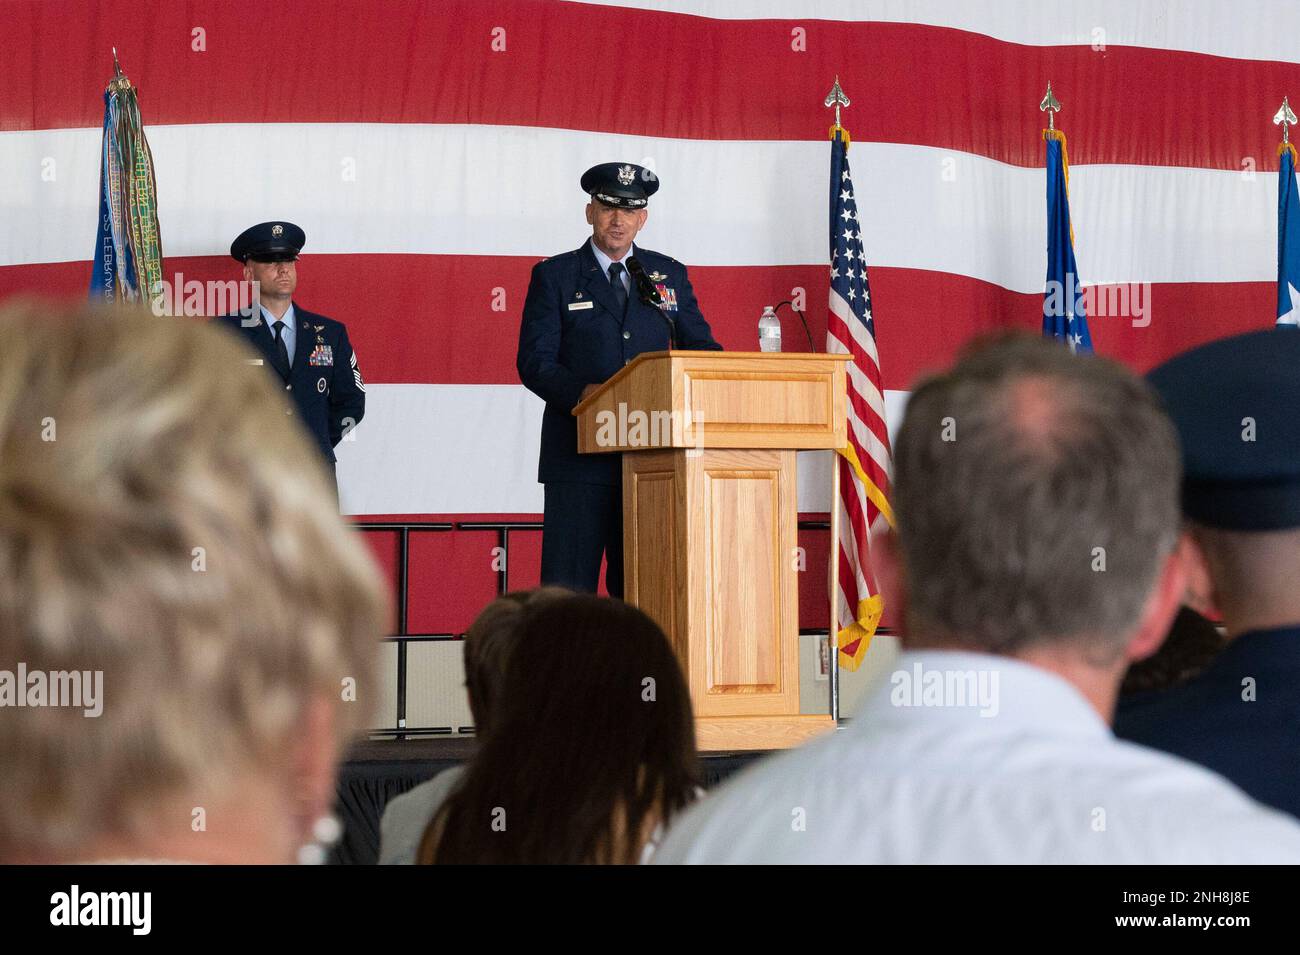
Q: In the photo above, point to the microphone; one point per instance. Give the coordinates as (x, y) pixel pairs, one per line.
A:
(646, 291)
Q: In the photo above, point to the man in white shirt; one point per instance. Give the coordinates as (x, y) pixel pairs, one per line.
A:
(1037, 555)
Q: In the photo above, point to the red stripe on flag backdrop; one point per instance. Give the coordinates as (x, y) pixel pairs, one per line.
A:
(432, 62)
(440, 308)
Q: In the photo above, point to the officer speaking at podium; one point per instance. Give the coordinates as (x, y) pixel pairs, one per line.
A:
(309, 354)
(585, 317)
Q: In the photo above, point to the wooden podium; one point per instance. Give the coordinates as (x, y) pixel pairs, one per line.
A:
(710, 514)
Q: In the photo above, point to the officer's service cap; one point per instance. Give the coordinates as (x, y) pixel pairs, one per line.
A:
(269, 242)
(1236, 405)
(624, 185)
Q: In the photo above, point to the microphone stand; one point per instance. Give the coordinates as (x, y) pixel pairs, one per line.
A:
(649, 295)
(672, 326)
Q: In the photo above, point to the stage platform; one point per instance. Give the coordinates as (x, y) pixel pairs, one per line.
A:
(376, 770)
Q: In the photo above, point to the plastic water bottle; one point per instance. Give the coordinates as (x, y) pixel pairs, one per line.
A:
(769, 330)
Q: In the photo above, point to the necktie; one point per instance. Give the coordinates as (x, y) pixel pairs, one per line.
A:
(616, 280)
(281, 350)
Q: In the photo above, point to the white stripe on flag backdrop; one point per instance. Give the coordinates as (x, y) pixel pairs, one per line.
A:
(431, 168)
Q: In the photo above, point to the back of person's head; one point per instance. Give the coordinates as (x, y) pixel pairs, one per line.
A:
(592, 744)
(1036, 494)
(164, 524)
(488, 644)
(1233, 403)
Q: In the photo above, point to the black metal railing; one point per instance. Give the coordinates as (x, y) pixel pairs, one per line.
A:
(403, 637)
(503, 530)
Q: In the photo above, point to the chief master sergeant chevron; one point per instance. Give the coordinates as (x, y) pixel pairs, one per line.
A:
(583, 321)
(309, 354)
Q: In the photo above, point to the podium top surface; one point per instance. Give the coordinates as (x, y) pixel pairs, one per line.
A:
(636, 364)
(714, 399)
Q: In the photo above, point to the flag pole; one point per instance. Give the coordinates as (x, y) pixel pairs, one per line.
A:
(1285, 118)
(833, 635)
(835, 98)
(1051, 106)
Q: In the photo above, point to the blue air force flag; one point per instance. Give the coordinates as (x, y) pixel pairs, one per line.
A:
(1064, 316)
(1288, 241)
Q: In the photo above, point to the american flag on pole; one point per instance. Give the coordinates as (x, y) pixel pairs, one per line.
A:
(864, 462)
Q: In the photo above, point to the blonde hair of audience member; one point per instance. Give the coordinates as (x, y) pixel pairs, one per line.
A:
(164, 521)
(1067, 554)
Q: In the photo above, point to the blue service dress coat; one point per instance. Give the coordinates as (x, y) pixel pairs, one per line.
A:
(325, 383)
(1240, 717)
(573, 334)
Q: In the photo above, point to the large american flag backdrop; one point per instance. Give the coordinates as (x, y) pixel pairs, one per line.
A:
(431, 150)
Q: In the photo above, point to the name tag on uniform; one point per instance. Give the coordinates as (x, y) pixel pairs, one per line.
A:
(575, 306)
(253, 361)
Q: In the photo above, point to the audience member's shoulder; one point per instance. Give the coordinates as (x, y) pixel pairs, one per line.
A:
(1187, 717)
(749, 817)
(1107, 802)
(1198, 815)
(1160, 717)
(407, 816)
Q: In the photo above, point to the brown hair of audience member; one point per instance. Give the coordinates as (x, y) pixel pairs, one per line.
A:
(163, 521)
(592, 744)
(488, 644)
(1037, 502)
(1189, 648)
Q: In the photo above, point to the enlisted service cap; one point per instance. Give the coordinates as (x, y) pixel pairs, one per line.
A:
(269, 242)
(624, 185)
(1236, 405)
